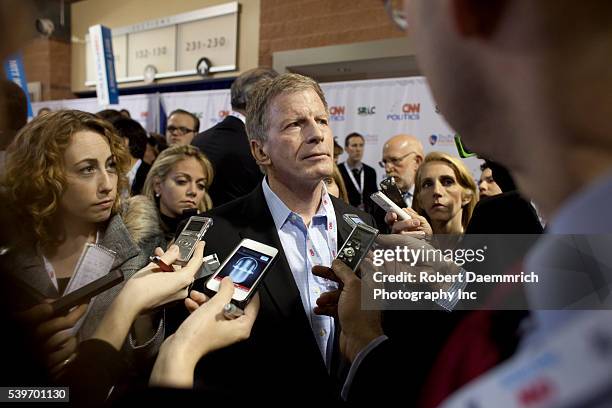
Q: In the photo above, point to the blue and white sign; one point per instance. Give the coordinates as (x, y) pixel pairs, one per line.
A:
(106, 82)
(13, 66)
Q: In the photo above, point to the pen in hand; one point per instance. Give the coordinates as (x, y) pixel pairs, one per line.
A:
(162, 265)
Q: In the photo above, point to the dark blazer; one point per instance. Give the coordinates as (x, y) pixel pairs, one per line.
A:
(139, 179)
(227, 147)
(370, 186)
(506, 213)
(281, 355)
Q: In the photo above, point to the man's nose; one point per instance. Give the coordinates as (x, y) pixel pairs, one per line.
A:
(314, 133)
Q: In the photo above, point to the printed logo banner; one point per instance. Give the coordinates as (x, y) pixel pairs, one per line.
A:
(381, 108)
(378, 109)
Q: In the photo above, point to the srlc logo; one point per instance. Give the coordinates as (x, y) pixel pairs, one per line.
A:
(366, 110)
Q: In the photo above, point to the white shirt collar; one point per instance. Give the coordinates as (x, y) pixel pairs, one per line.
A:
(131, 175)
(280, 212)
(239, 116)
(358, 166)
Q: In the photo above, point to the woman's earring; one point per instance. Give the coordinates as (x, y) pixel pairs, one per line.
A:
(157, 195)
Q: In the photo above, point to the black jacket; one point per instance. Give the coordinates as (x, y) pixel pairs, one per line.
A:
(227, 147)
(139, 179)
(281, 357)
(506, 213)
(369, 186)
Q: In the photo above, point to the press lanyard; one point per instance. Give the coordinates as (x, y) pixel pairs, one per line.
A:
(331, 229)
(352, 177)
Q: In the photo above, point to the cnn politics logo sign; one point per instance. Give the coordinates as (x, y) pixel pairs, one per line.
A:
(410, 111)
(337, 113)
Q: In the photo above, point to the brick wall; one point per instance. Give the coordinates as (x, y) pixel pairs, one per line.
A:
(48, 61)
(297, 24)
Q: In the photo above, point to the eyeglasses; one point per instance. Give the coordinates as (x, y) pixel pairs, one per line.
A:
(180, 130)
(395, 11)
(395, 161)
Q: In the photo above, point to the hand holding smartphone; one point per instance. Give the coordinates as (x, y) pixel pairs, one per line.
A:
(246, 265)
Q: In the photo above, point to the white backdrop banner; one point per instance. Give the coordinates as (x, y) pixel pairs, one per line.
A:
(210, 106)
(143, 108)
(378, 109)
(382, 108)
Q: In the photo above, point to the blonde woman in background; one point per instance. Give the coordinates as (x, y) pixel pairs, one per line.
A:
(178, 180)
(445, 193)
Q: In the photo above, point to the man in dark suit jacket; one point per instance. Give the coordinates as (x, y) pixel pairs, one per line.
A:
(291, 349)
(227, 146)
(282, 352)
(359, 178)
(135, 136)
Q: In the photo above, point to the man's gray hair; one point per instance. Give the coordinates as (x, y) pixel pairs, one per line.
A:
(257, 118)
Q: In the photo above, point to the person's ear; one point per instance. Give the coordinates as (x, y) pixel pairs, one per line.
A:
(157, 186)
(466, 197)
(477, 18)
(258, 151)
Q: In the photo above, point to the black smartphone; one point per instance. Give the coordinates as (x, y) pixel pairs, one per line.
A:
(392, 191)
(85, 293)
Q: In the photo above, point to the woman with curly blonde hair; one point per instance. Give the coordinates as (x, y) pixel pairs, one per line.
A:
(445, 193)
(65, 172)
(178, 181)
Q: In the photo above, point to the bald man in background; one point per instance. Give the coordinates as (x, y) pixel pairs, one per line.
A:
(401, 157)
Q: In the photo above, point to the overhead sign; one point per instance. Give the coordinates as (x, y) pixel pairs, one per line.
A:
(102, 48)
(152, 47)
(173, 45)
